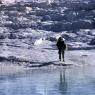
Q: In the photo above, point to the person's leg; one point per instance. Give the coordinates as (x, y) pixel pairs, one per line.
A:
(63, 52)
(59, 54)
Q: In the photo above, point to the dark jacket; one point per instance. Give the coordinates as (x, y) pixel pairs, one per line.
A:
(61, 44)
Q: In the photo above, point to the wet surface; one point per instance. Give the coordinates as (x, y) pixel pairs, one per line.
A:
(51, 80)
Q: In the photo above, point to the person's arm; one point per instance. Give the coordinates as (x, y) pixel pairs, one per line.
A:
(57, 44)
(64, 45)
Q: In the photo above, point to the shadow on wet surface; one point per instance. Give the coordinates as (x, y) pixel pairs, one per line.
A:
(40, 64)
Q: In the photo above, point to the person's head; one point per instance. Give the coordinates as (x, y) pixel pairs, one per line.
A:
(60, 39)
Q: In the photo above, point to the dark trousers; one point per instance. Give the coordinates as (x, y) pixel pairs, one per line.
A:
(61, 54)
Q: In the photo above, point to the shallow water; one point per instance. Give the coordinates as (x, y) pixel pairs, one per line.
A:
(68, 80)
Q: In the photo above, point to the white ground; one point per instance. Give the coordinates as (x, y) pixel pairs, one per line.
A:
(42, 50)
(44, 53)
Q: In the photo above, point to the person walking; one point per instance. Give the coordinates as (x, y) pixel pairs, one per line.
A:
(61, 48)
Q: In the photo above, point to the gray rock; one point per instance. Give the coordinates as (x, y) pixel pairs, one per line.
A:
(92, 42)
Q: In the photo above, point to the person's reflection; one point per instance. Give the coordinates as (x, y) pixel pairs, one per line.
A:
(62, 83)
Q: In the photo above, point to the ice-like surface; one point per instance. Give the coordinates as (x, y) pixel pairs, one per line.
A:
(50, 81)
(39, 41)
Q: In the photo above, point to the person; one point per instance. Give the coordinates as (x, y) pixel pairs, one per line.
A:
(61, 48)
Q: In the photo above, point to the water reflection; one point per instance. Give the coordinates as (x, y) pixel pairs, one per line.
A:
(58, 81)
(62, 82)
